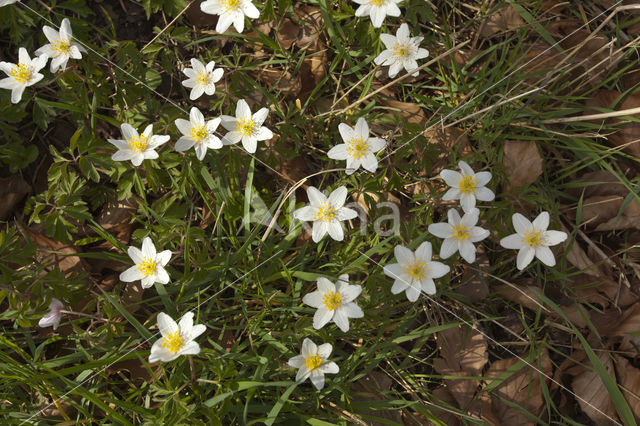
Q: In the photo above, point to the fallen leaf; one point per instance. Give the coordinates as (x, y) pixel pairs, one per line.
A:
(374, 387)
(12, 190)
(522, 163)
(628, 135)
(629, 380)
(442, 397)
(412, 112)
(116, 218)
(131, 296)
(287, 33)
(54, 254)
(522, 388)
(277, 79)
(594, 397)
(463, 352)
(473, 285)
(504, 19)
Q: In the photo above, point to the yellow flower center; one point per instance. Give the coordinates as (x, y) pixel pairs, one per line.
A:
(61, 47)
(173, 342)
(313, 362)
(203, 78)
(416, 270)
(461, 233)
(138, 143)
(147, 266)
(245, 126)
(401, 51)
(21, 73)
(198, 133)
(230, 5)
(332, 301)
(357, 148)
(533, 238)
(326, 213)
(468, 184)
(376, 2)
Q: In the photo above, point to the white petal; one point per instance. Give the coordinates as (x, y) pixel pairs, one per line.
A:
(393, 270)
(403, 255)
(541, 223)
(184, 143)
(448, 248)
(399, 286)
(260, 116)
(166, 324)
(322, 317)
(484, 194)
(23, 56)
(403, 33)
(441, 230)
(329, 368)
(316, 198)
(317, 379)
(525, 256)
(388, 40)
(376, 144)
(338, 152)
(335, 231)
(377, 16)
(453, 216)
(297, 361)
(319, 230)
(345, 213)
(186, 323)
(341, 320)
(324, 350)
(545, 255)
(338, 197)
(362, 129)
(478, 234)
(513, 241)
(370, 162)
(352, 310)
(346, 132)
(325, 286)
(551, 238)
(313, 299)
(191, 348)
(250, 10)
(162, 276)
(128, 131)
(308, 348)
(135, 254)
(521, 224)
(424, 252)
(413, 293)
(306, 213)
(483, 178)
(148, 249)
(349, 292)
(242, 109)
(468, 202)
(131, 274)
(428, 286)
(467, 251)
(451, 194)
(437, 270)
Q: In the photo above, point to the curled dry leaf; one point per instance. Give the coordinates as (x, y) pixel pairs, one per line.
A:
(504, 19)
(12, 190)
(463, 352)
(595, 400)
(522, 162)
(522, 388)
(54, 254)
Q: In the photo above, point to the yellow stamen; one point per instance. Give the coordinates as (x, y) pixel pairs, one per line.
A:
(230, 5)
(245, 126)
(313, 362)
(533, 238)
(147, 266)
(198, 133)
(376, 2)
(326, 213)
(138, 143)
(61, 47)
(401, 51)
(468, 184)
(332, 301)
(416, 270)
(203, 78)
(357, 148)
(21, 73)
(461, 233)
(173, 342)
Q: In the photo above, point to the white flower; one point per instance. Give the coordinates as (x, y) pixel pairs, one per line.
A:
(358, 148)
(414, 272)
(326, 213)
(459, 234)
(149, 265)
(198, 132)
(246, 127)
(54, 316)
(201, 78)
(7, 2)
(312, 362)
(533, 239)
(230, 11)
(60, 47)
(467, 186)
(137, 147)
(378, 10)
(334, 302)
(402, 50)
(23, 74)
(177, 339)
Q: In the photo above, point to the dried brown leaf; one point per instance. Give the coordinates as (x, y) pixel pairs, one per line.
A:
(522, 388)
(504, 19)
(522, 163)
(412, 112)
(629, 379)
(12, 190)
(594, 398)
(56, 255)
(473, 285)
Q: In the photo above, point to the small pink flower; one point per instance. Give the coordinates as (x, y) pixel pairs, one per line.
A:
(54, 316)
